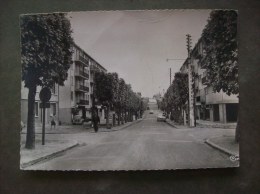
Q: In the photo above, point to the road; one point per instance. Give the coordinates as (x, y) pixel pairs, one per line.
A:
(143, 146)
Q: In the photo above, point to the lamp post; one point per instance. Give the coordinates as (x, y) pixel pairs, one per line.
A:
(171, 68)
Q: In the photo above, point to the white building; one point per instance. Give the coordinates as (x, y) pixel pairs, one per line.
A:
(209, 105)
(75, 97)
(52, 111)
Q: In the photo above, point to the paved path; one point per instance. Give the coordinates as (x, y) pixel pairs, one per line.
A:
(146, 145)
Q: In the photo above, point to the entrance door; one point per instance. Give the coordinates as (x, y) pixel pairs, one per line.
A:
(232, 111)
(216, 112)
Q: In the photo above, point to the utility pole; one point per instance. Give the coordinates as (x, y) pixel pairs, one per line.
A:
(191, 92)
(170, 76)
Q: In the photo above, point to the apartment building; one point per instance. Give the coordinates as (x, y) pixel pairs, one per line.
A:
(75, 97)
(52, 111)
(209, 105)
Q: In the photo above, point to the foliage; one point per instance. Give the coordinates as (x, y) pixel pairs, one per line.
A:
(103, 87)
(46, 49)
(221, 49)
(176, 96)
(110, 90)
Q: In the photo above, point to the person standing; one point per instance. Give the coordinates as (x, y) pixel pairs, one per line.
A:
(53, 123)
(95, 121)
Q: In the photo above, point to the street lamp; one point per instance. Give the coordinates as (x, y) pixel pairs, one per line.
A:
(171, 68)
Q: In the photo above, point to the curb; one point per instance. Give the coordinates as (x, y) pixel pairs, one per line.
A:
(169, 123)
(46, 157)
(215, 126)
(223, 150)
(121, 128)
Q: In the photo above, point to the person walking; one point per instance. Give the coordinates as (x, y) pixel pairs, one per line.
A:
(95, 121)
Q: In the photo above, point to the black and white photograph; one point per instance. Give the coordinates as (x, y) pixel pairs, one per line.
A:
(129, 90)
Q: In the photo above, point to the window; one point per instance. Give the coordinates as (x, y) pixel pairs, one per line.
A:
(53, 109)
(36, 109)
(206, 90)
(71, 96)
(71, 80)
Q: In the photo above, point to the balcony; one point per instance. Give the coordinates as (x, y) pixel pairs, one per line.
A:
(82, 74)
(82, 88)
(93, 68)
(83, 102)
(82, 60)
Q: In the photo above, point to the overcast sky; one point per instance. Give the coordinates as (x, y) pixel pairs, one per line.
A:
(136, 44)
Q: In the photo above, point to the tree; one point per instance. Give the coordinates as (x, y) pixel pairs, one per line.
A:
(220, 40)
(46, 57)
(122, 99)
(104, 90)
(221, 50)
(176, 97)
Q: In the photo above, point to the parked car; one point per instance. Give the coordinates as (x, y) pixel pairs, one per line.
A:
(78, 120)
(161, 117)
(151, 112)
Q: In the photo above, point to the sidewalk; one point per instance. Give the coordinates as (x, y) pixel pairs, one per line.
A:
(57, 144)
(175, 125)
(225, 144)
(51, 149)
(203, 123)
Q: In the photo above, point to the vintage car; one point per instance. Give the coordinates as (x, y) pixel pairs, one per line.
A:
(161, 117)
(78, 120)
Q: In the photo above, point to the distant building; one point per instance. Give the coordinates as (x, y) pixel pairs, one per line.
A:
(209, 105)
(75, 97)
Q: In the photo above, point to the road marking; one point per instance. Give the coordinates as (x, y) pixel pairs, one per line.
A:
(147, 133)
(178, 141)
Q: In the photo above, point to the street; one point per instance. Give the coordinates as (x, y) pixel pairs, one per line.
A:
(146, 145)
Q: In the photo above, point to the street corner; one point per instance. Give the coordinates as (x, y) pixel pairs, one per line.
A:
(225, 144)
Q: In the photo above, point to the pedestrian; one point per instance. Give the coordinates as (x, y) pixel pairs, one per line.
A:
(95, 121)
(53, 123)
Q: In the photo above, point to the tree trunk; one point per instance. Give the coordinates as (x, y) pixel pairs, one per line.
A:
(237, 133)
(118, 117)
(121, 117)
(30, 136)
(107, 116)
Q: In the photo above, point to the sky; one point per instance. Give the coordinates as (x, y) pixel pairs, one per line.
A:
(137, 44)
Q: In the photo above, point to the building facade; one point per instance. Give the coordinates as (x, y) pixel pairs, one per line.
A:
(75, 97)
(209, 105)
(49, 113)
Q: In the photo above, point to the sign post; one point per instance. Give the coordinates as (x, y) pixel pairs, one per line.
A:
(45, 96)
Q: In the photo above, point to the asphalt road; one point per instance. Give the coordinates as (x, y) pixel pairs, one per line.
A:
(145, 145)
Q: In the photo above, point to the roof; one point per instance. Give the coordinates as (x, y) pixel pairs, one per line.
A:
(78, 47)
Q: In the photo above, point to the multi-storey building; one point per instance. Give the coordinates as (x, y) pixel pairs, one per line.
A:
(52, 111)
(209, 105)
(75, 97)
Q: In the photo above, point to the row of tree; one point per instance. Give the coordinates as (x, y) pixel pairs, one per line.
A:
(176, 97)
(114, 93)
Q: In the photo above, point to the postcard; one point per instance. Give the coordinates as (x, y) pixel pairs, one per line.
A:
(129, 90)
